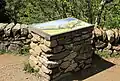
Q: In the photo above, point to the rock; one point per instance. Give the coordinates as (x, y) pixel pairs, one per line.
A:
(69, 47)
(32, 52)
(117, 48)
(84, 55)
(35, 36)
(2, 46)
(24, 32)
(97, 32)
(71, 56)
(77, 39)
(77, 48)
(33, 61)
(110, 35)
(17, 42)
(14, 47)
(8, 29)
(65, 65)
(30, 36)
(27, 41)
(57, 49)
(46, 70)
(52, 43)
(45, 48)
(116, 35)
(37, 50)
(61, 41)
(44, 76)
(21, 38)
(43, 79)
(33, 45)
(71, 67)
(60, 55)
(88, 61)
(2, 27)
(86, 36)
(109, 46)
(34, 40)
(42, 40)
(16, 30)
(48, 64)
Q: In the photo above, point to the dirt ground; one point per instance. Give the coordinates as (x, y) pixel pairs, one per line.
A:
(11, 69)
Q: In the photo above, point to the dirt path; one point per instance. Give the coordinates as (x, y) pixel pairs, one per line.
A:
(11, 69)
(110, 74)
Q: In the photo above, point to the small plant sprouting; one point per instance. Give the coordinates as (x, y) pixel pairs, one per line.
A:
(29, 69)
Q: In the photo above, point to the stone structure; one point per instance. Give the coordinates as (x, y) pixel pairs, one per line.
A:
(14, 36)
(57, 55)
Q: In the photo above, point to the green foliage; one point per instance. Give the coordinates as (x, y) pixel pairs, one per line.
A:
(24, 50)
(3, 51)
(111, 15)
(29, 69)
(107, 54)
(34, 11)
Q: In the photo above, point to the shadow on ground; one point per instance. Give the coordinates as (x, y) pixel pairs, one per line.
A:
(98, 65)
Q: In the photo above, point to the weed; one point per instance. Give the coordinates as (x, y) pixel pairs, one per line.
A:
(29, 69)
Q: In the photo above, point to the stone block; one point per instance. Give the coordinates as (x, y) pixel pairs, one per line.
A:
(51, 43)
(88, 61)
(33, 61)
(44, 76)
(35, 36)
(33, 45)
(58, 49)
(60, 56)
(87, 36)
(65, 65)
(24, 32)
(71, 56)
(45, 48)
(16, 30)
(8, 29)
(46, 70)
(71, 67)
(14, 47)
(37, 50)
(48, 64)
(77, 48)
(77, 39)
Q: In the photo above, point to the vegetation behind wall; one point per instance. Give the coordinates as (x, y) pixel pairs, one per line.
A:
(29, 11)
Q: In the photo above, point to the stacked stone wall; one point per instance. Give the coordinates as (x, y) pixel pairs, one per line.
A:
(64, 53)
(14, 36)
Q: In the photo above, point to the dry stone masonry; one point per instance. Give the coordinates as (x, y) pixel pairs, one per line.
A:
(14, 36)
(106, 41)
(57, 55)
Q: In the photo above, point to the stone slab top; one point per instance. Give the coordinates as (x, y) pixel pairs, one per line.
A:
(57, 27)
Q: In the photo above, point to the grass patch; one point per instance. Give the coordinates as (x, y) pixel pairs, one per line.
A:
(22, 51)
(108, 54)
(29, 69)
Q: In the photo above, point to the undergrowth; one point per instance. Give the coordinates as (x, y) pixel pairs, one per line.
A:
(29, 69)
(107, 54)
(23, 51)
